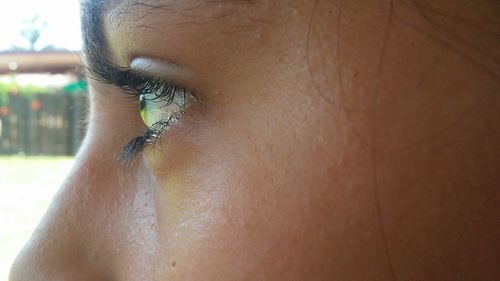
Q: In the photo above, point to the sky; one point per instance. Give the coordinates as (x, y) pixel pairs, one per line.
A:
(62, 19)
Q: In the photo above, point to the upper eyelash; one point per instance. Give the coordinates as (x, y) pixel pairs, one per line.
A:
(104, 71)
(168, 93)
(131, 81)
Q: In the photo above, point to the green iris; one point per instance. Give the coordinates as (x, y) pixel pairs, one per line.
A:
(156, 109)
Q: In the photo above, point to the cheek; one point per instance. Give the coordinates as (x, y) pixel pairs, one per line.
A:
(249, 182)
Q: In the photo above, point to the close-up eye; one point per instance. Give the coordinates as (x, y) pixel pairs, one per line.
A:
(162, 105)
(162, 102)
(150, 83)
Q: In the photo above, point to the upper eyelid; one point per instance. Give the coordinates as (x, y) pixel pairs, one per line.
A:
(160, 67)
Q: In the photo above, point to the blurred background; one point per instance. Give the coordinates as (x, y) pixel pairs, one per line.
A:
(42, 105)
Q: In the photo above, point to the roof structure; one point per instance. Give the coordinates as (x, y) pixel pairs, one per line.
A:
(39, 62)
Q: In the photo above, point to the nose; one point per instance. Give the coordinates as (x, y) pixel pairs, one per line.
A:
(98, 227)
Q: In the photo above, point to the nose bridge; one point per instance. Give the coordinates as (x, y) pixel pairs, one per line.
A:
(89, 227)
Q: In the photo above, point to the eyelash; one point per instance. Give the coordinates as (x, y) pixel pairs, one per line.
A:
(165, 92)
(136, 84)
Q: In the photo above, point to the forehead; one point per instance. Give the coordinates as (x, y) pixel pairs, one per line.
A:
(184, 16)
(179, 10)
(132, 22)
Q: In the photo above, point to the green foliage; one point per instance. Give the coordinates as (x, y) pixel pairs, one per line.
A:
(25, 90)
(31, 90)
(77, 87)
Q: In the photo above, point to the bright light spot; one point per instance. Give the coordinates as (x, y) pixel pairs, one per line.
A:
(13, 66)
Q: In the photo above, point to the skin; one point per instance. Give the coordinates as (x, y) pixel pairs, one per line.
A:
(353, 140)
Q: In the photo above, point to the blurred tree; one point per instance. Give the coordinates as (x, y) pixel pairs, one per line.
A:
(50, 47)
(32, 30)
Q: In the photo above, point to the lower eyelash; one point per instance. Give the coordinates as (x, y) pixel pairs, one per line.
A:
(149, 137)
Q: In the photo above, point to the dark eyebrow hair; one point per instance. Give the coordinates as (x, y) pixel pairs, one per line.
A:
(91, 25)
(96, 49)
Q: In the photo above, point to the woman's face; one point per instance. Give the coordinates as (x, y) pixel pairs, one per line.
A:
(320, 140)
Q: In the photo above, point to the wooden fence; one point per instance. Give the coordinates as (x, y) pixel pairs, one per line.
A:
(45, 124)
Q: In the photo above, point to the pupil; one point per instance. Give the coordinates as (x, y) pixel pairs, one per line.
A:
(143, 110)
(142, 99)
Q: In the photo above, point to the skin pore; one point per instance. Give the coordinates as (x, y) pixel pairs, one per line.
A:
(331, 140)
